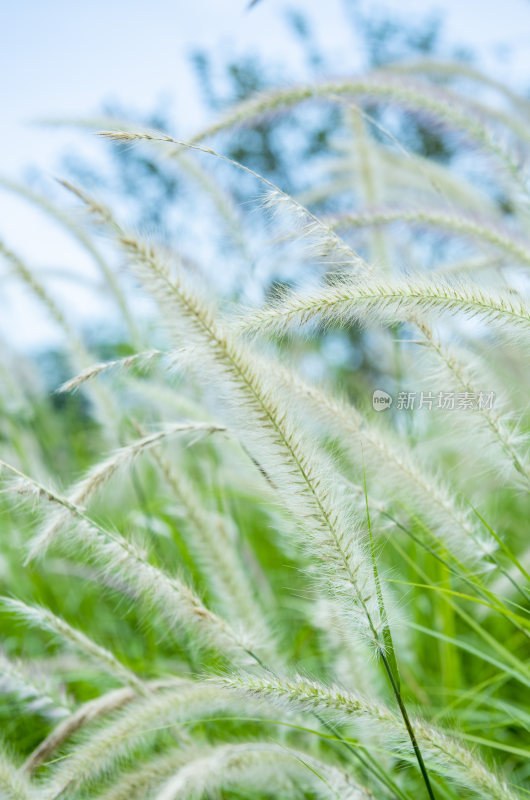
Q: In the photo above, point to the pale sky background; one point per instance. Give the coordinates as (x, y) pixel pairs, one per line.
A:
(62, 59)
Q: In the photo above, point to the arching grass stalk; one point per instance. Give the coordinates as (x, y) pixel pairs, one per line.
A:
(328, 242)
(232, 361)
(335, 732)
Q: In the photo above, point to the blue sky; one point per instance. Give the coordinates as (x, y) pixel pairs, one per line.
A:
(62, 59)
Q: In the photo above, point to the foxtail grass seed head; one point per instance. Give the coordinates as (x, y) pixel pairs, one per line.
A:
(267, 536)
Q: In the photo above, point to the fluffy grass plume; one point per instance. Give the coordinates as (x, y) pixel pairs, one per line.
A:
(208, 507)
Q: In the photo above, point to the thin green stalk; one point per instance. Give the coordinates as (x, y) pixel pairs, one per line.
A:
(505, 548)
(461, 571)
(519, 671)
(408, 726)
(388, 656)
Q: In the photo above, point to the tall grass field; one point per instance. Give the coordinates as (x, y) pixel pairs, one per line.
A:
(272, 539)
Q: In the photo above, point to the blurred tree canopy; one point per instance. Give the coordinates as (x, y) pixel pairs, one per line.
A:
(273, 147)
